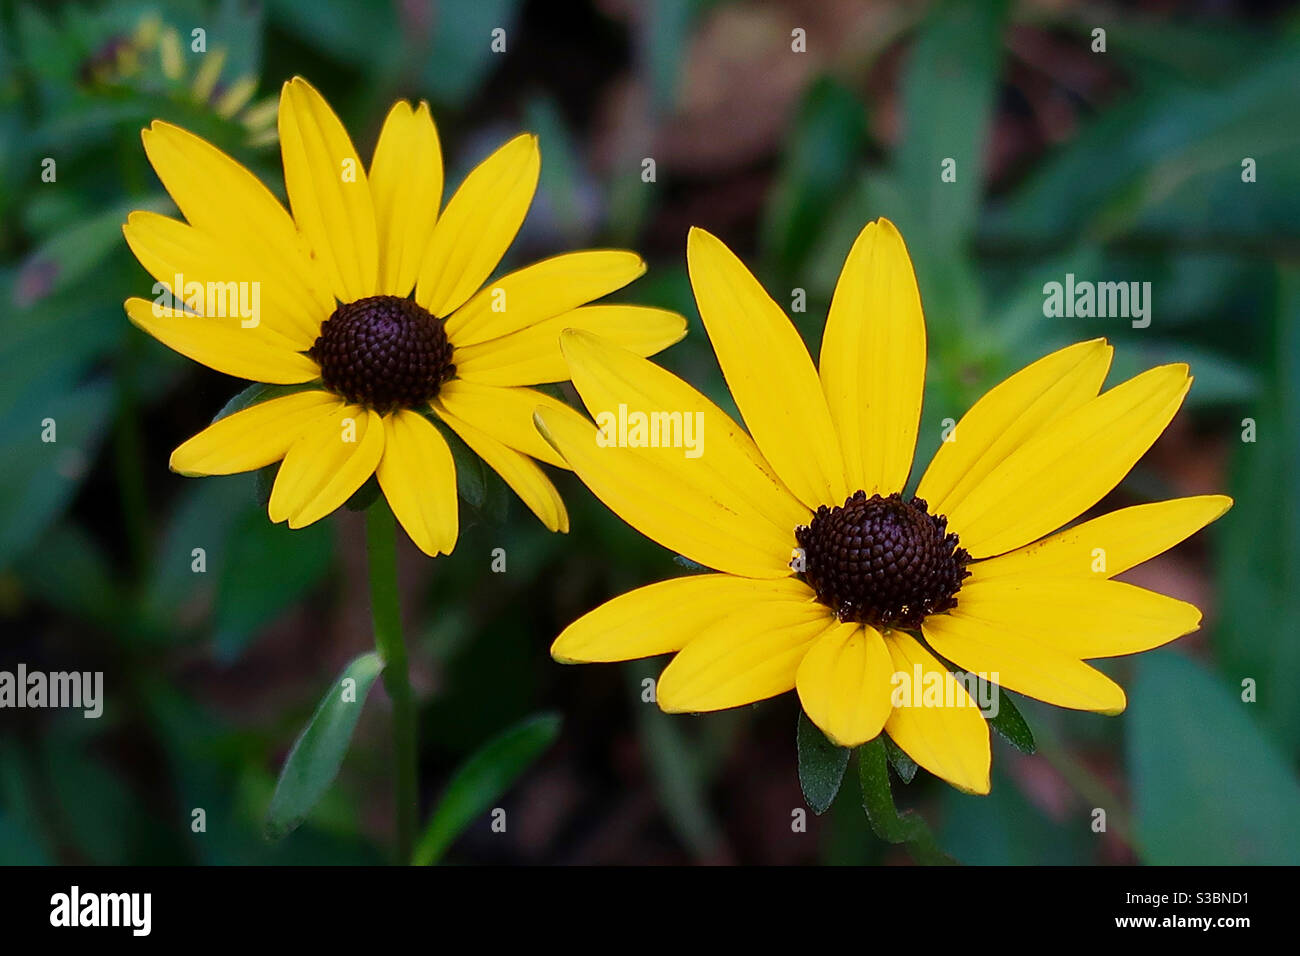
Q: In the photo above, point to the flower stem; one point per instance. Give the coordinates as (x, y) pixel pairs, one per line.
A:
(386, 613)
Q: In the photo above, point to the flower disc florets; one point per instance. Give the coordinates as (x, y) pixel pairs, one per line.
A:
(882, 561)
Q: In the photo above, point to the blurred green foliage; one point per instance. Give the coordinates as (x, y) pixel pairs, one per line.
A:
(212, 675)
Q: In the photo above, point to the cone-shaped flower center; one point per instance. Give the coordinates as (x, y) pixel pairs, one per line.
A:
(882, 561)
(383, 352)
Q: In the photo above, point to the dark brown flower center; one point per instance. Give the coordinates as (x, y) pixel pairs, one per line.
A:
(882, 561)
(383, 352)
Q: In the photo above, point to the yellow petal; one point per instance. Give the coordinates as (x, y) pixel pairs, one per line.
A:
(252, 437)
(844, 684)
(209, 71)
(769, 372)
(873, 360)
(1018, 663)
(518, 471)
(506, 414)
(1078, 617)
(1008, 415)
(326, 465)
(542, 291)
(236, 97)
(171, 59)
(418, 477)
(950, 742)
(1109, 544)
(751, 654)
(662, 618)
(221, 198)
(177, 255)
(223, 344)
(669, 505)
(328, 191)
(406, 185)
(1063, 470)
(720, 460)
(478, 225)
(532, 356)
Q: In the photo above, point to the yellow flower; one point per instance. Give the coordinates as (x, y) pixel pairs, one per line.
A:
(881, 586)
(324, 298)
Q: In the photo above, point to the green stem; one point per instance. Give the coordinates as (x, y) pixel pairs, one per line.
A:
(386, 613)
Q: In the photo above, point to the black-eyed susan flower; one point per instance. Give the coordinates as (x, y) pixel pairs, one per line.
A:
(372, 296)
(151, 58)
(830, 580)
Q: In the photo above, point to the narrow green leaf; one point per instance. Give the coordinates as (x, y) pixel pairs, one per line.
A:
(266, 569)
(821, 765)
(878, 802)
(48, 444)
(1009, 723)
(72, 254)
(314, 761)
(679, 764)
(265, 484)
(1259, 540)
(482, 779)
(478, 486)
(940, 158)
(684, 562)
(365, 496)
(829, 137)
(260, 392)
(903, 765)
(1210, 787)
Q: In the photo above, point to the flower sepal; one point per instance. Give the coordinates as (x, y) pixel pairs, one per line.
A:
(821, 765)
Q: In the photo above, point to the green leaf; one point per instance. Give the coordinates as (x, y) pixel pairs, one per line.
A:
(204, 517)
(1171, 159)
(948, 90)
(478, 486)
(317, 754)
(1010, 725)
(104, 816)
(821, 765)
(40, 477)
(1209, 786)
(564, 188)
(482, 779)
(679, 764)
(260, 392)
(71, 572)
(69, 256)
(878, 802)
(266, 568)
(903, 765)
(1005, 828)
(368, 36)
(1259, 539)
(667, 40)
(52, 344)
(365, 496)
(830, 134)
(462, 55)
(693, 566)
